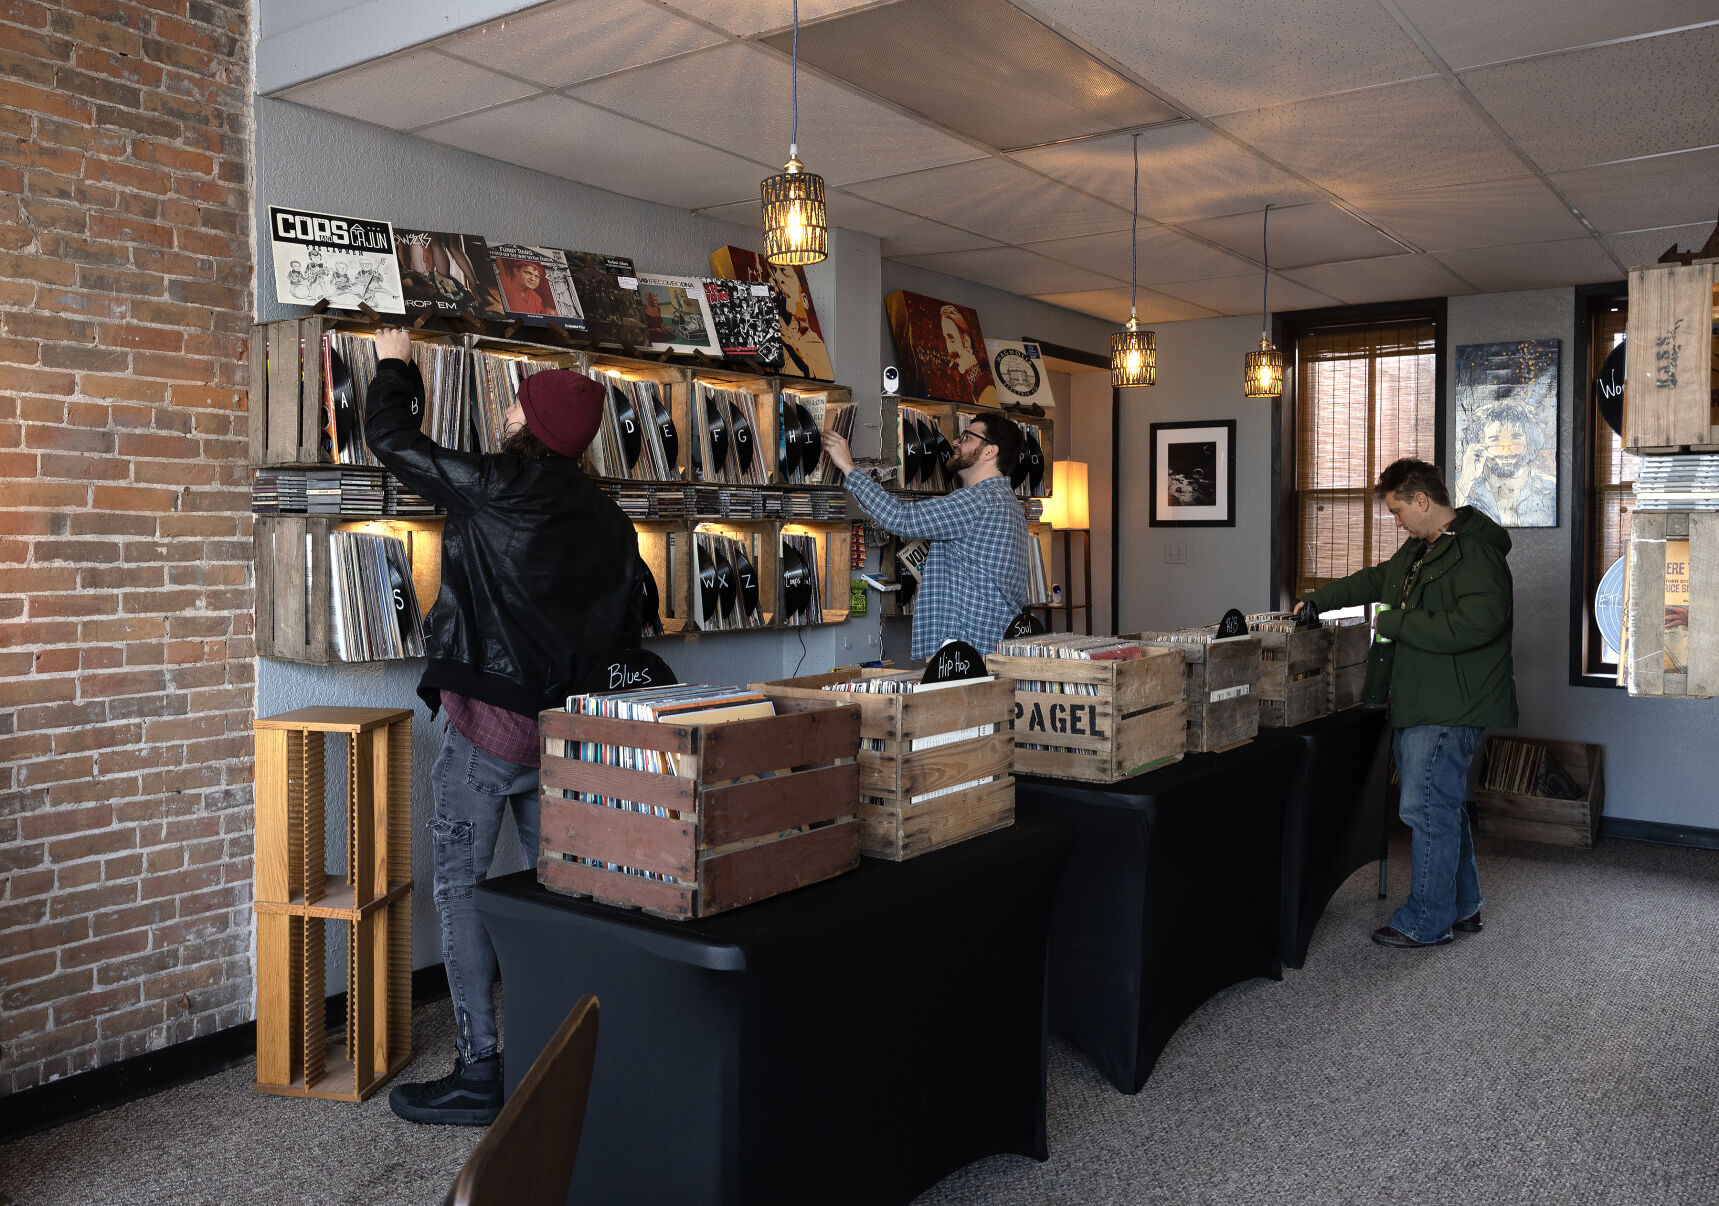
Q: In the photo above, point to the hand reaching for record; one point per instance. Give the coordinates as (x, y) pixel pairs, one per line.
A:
(836, 447)
(392, 343)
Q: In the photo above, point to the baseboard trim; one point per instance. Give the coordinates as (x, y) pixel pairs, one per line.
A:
(99, 1089)
(1659, 832)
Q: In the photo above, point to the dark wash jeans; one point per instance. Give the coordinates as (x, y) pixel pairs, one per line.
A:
(473, 789)
(1444, 885)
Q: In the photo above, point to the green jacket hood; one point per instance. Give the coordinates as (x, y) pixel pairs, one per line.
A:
(1478, 525)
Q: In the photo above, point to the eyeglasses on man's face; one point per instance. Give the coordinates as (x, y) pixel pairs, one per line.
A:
(970, 434)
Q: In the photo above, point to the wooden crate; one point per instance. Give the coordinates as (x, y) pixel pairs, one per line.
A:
(1220, 678)
(765, 437)
(1346, 668)
(1098, 722)
(1670, 375)
(757, 808)
(670, 379)
(295, 899)
(892, 773)
(1292, 688)
(294, 592)
(1532, 818)
(286, 387)
(1671, 605)
(835, 565)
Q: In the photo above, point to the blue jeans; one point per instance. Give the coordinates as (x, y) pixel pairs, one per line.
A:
(472, 790)
(1444, 884)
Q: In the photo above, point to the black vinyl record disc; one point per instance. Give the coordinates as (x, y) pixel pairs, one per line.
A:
(1018, 475)
(707, 592)
(1610, 387)
(345, 404)
(1034, 456)
(916, 461)
(796, 581)
(942, 449)
(653, 624)
(725, 588)
(670, 438)
(747, 577)
(716, 423)
(743, 440)
(811, 446)
(909, 588)
(626, 424)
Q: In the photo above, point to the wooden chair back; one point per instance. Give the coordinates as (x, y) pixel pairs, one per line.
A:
(526, 1157)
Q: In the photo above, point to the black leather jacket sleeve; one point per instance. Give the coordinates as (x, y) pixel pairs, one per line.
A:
(393, 417)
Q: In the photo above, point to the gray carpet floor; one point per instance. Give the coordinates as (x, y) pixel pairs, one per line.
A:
(1567, 1055)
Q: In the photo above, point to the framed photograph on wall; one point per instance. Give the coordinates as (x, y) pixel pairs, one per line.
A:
(1507, 431)
(1194, 474)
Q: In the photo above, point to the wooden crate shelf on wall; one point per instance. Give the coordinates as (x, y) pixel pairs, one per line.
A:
(1670, 375)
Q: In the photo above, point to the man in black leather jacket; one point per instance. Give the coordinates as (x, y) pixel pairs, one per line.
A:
(538, 590)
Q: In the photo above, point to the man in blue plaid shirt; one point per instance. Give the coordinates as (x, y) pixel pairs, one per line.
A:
(975, 576)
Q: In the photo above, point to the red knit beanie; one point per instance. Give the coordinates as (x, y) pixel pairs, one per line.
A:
(563, 409)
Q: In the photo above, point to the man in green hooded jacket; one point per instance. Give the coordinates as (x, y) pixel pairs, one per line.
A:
(1442, 660)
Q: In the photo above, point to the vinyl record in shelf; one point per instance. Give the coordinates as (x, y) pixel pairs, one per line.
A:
(665, 426)
(747, 578)
(707, 591)
(913, 433)
(653, 624)
(725, 586)
(796, 581)
(716, 424)
(626, 424)
(744, 440)
(1034, 456)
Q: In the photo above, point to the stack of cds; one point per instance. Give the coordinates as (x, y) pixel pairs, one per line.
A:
(725, 583)
(801, 593)
(1680, 482)
(375, 609)
(924, 450)
(352, 491)
(638, 440)
(397, 500)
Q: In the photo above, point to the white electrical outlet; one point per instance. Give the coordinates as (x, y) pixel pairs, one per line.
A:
(1175, 552)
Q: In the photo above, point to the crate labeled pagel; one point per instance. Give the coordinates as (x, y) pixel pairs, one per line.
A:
(1220, 676)
(1096, 721)
(1293, 662)
(739, 811)
(934, 763)
(1346, 667)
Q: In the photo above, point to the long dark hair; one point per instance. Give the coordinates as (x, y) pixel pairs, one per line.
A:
(523, 442)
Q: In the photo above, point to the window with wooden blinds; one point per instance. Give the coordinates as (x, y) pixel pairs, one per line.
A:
(1611, 478)
(1365, 396)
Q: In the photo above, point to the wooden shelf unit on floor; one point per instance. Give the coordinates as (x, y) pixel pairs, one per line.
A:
(296, 899)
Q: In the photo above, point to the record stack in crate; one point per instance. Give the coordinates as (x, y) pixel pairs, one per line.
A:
(496, 378)
(800, 451)
(1029, 476)
(1221, 674)
(375, 609)
(637, 440)
(802, 596)
(726, 582)
(924, 450)
(726, 449)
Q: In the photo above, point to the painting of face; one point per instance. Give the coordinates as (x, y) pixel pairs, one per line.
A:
(940, 350)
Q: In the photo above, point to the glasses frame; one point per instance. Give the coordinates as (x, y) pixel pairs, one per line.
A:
(971, 434)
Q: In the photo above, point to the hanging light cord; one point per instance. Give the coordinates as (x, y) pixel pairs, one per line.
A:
(1265, 253)
(794, 139)
(1133, 238)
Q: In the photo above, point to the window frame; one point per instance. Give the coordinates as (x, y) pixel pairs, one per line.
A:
(1583, 405)
(1287, 329)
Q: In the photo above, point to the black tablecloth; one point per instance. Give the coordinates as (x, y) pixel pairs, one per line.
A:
(1171, 893)
(1336, 817)
(854, 1041)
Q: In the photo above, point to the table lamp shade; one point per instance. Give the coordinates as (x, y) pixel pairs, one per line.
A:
(1068, 507)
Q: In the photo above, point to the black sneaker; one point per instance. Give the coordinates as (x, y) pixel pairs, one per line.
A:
(470, 1095)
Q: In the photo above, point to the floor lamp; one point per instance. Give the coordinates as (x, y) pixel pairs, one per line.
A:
(1067, 510)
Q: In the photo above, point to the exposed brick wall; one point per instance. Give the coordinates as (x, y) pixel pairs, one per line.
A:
(126, 671)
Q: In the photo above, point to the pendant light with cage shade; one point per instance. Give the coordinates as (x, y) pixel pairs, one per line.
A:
(1262, 372)
(1133, 352)
(796, 222)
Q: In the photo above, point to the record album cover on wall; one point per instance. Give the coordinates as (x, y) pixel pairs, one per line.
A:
(677, 318)
(447, 275)
(347, 262)
(1194, 474)
(803, 351)
(608, 291)
(941, 349)
(536, 286)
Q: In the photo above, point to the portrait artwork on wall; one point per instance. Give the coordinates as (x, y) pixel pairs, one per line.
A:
(1507, 432)
(1194, 474)
(940, 350)
(804, 353)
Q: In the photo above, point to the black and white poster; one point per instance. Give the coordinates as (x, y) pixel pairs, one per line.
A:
(1194, 474)
(1019, 369)
(347, 262)
(746, 320)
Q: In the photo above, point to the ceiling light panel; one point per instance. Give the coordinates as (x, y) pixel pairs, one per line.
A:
(1657, 94)
(1013, 270)
(996, 198)
(1639, 194)
(1240, 294)
(901, 234)
(1186, 171)
(1218, 58)
(1640, 247)
(408, 90)
(742, 93)
(748, 18)
(1520, 210)
(561, 44)
(1300, 235)
(1390, 278)
(565, 138)
(1533, 265)
(979, 67)
(1113, 305)
(1164, 255)
(1406, 136)
(1468, 33)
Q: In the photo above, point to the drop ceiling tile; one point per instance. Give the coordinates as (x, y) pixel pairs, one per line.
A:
(408, 90)
(748, 18)
(902, 234)
(1533, 265)
(980, 67)
(1466, 33)
(1640, 194)
(1164, 256)
(1112, 304)
(1406, 136)
(1186, 171)
(1219, 58)
(1299, 235)
(743, 108)
(564, 138)
(1605, 103)
(1519, 210)
(1391, 278)
(556, 45)
(1639, 247)
(1012, 270)
(1240, 294)
(997, 198)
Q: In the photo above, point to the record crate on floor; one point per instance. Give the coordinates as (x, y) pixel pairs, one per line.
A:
(929, 776)
(1096, 721)
(1509, 800)
(742, 810)
(1293, 660)
(298, 1053)
(1346, 667)
(1220, 677)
